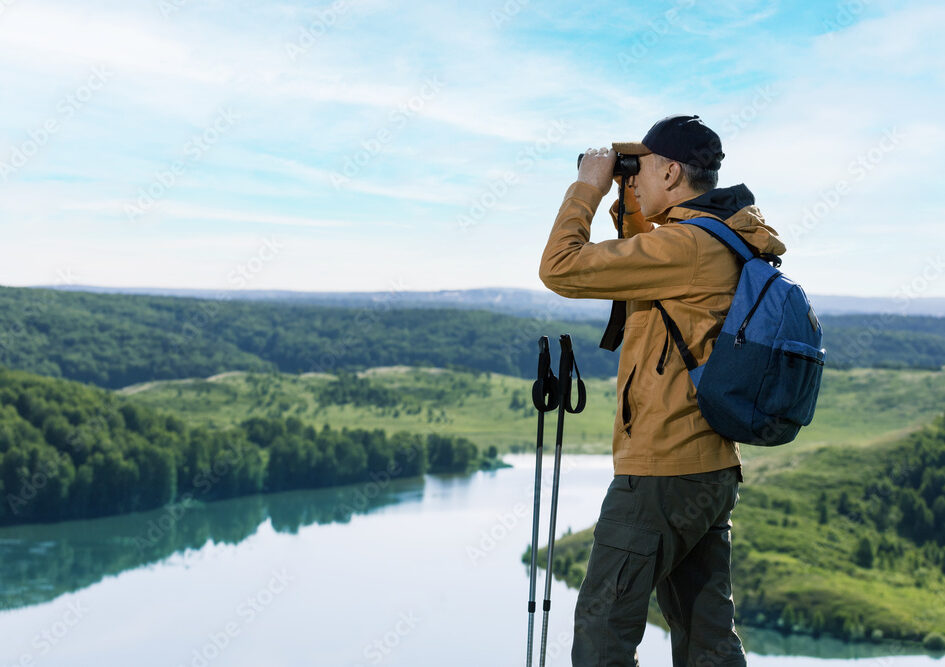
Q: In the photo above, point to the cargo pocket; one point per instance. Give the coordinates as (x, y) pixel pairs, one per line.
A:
(610, 613)
(790, 388)
(627, 554)
(626, 403)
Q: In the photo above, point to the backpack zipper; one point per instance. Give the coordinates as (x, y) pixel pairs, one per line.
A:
(740, 336)
(798, 355)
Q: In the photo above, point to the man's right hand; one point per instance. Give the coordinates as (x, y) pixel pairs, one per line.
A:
(597, 168)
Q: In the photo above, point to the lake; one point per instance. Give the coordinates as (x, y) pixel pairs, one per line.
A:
(400, 573)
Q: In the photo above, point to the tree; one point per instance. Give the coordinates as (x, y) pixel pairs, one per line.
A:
(864, 553)
(843, 504)
(817, 623)
(822, 508)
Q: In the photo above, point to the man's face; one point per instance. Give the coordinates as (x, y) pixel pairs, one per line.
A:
(648, 185)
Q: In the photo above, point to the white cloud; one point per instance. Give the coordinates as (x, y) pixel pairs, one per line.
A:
(834, 96)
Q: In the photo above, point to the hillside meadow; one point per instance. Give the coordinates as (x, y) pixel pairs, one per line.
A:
(857, 406)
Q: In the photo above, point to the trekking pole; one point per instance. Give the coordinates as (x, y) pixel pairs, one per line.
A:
(545, 399)
(565, 366)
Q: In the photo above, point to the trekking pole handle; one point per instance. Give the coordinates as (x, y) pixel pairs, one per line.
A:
(566, 364)
(545, 388)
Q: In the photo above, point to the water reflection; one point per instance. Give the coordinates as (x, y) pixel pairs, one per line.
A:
(43, 561)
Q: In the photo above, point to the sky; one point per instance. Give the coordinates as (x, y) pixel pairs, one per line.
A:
(427, 145)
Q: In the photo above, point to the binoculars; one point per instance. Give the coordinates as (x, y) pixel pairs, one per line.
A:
(626, 165)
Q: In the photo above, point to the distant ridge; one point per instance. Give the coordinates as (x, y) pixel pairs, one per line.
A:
(507, 300)
(114, 340)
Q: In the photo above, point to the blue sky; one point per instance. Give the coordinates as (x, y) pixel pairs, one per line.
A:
(375, 145)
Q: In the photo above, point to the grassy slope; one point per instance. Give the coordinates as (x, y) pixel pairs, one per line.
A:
(434, 400)
(857, 407)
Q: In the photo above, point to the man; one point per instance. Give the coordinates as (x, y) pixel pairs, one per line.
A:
(666, 517)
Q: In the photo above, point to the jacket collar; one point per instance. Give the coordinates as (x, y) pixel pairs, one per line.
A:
(721, 203)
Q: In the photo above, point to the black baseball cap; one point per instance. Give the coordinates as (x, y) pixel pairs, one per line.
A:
(681, 138)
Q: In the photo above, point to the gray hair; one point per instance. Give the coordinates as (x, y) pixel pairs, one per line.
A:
(699, 178)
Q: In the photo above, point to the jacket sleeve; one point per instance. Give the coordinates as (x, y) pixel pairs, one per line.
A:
(633, 220)
(659, 264)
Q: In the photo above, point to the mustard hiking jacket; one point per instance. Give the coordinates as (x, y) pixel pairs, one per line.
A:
(658, 428)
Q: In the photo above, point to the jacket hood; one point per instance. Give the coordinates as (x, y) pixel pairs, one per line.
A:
(735, 206)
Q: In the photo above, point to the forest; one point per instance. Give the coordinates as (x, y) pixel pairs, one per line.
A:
(71, 451)
(115, 340)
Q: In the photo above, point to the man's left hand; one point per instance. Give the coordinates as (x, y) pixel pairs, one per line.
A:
(597, 168)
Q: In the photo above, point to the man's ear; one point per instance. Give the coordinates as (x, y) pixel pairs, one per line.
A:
(673, 176)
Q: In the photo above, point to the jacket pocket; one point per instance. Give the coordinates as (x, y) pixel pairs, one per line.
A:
(627, 407)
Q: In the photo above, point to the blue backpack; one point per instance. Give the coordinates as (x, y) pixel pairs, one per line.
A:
(760, 383)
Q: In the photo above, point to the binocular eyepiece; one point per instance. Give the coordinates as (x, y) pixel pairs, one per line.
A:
(626, 165)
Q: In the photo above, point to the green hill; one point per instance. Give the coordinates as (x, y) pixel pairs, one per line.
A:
(114, 340)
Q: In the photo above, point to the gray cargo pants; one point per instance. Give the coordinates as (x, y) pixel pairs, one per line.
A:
(672, 533)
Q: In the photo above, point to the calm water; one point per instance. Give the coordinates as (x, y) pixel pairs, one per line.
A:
(409, 573)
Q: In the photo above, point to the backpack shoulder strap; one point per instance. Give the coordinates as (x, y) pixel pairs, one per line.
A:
(674, 331)
(725, 234)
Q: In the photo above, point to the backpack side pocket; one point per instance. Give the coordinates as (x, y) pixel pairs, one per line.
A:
(792, 383)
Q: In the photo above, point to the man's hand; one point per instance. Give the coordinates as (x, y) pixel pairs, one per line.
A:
(597, 168)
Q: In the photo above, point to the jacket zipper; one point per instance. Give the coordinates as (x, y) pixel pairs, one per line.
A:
(740, 336)
(627, 414)
(660, 365)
